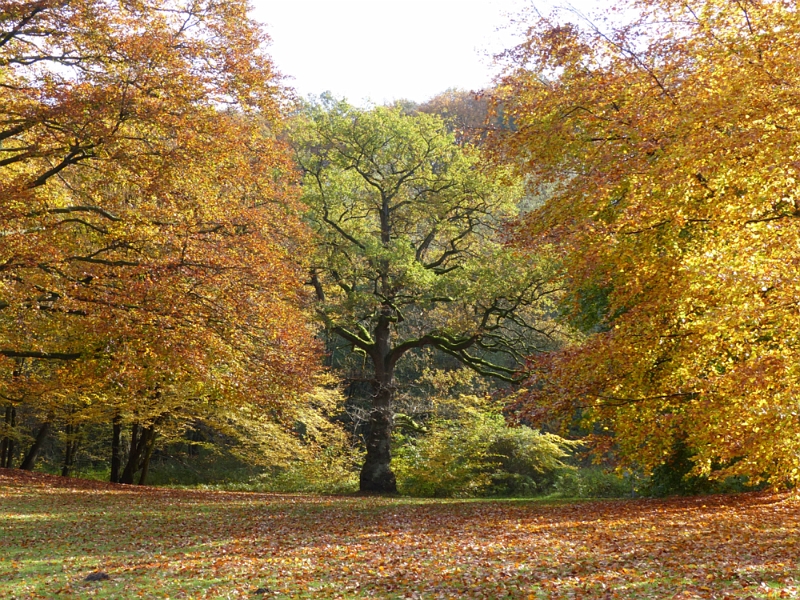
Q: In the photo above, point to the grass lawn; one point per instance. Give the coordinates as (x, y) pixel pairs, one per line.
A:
(162, 543)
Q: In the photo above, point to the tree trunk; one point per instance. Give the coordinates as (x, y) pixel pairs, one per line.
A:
(150, 435)
(133, 456)
(30, 458)
(376, 474)
(4, 445)
(141, 450)
(10, 445)
(7, 451)
(70, 450)
(116, 450)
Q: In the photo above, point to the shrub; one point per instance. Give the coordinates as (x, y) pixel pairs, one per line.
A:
(333, 471)
(677, 476)
(451, 459)
(528, 461)
(474, 452)
(593, 482)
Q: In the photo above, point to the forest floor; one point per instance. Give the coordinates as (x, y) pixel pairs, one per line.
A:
(164, 543)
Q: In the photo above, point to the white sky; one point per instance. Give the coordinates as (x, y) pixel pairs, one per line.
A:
(384, 50)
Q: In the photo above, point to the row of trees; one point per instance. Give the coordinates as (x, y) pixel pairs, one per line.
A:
(168, 233)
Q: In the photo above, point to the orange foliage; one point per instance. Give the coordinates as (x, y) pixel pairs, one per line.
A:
(149, 236)
(667, 150)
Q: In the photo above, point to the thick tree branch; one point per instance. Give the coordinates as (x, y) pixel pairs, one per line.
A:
(43, 355)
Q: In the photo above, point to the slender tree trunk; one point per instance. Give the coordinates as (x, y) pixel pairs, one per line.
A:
(6, 440)
(7, 450)
(67, 451)
(10, 445)
(116, 450)
(193, 436)
(30, 458)
(70, 450)
(141, 451)
(134, 436)
(150, 435)
(376, 474)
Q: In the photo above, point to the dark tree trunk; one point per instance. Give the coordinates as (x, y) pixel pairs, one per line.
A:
(10, 445)
(70, 449)
(376, 474)
(133, 456)
(30, 458)
(134, 436)
(5, 445)
(116, 450)
(193, 435)
(141, 450)
(150, 435)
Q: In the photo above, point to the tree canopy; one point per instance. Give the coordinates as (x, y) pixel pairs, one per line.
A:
(409, 251)
(667, 149)
(149, 235)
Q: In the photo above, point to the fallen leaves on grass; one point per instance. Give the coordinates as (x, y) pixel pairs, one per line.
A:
(191, 544)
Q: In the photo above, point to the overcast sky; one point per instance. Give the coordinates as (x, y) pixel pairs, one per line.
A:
(384, 50)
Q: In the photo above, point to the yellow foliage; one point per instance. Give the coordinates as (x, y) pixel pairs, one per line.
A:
(671, 151)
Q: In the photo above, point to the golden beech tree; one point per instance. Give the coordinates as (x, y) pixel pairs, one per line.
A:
(668, 150)
(149, 234)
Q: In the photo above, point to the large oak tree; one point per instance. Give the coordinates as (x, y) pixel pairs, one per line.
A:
(409, 252)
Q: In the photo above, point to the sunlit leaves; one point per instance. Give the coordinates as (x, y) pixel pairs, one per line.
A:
(669, 149)
(148, 225)
(410, 229)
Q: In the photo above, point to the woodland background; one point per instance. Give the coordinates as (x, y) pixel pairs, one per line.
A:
(206, 280)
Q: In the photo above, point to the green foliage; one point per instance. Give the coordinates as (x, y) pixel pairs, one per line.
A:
(677, 476)
(331, 472)
(408, 245)
(453, 459)
(209, 467)
(593, 482)
(474, 452)
(528, 462)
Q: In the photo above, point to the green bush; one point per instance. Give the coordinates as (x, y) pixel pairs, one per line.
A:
(450, 460)
(593, 482)
(528, 461)
(674, 477)
(328, 473)
(476, 453)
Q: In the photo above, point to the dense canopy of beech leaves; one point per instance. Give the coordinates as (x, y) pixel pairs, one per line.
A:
(667, 152)
(149, 241)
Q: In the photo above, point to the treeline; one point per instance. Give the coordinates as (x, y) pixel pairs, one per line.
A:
(607, 239)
